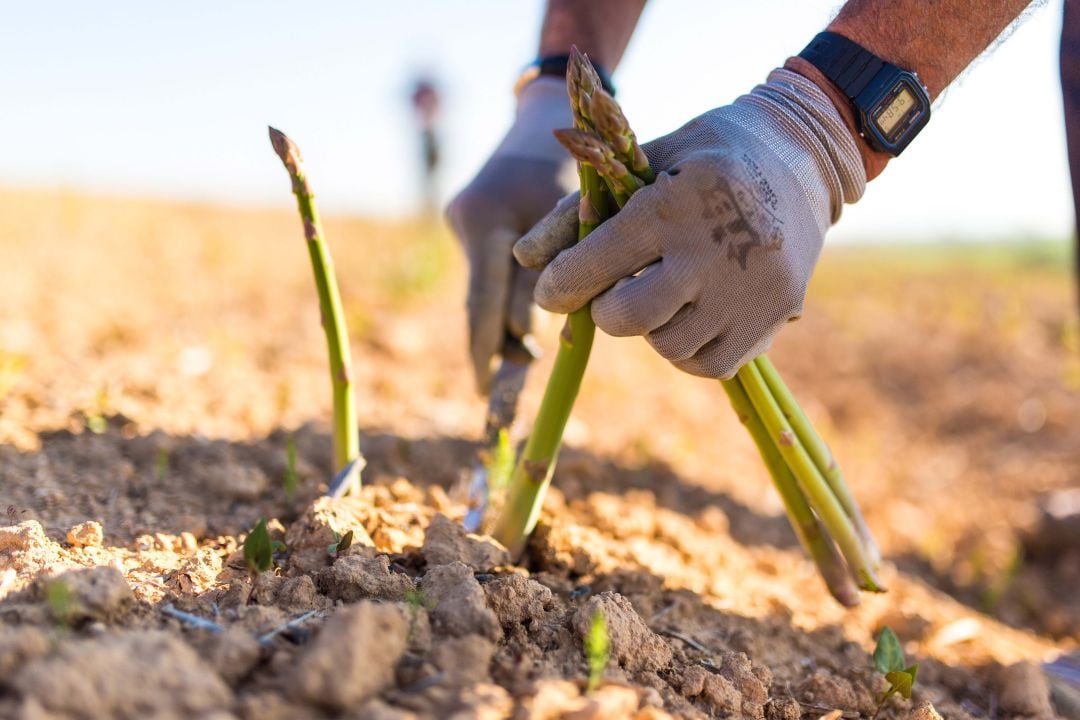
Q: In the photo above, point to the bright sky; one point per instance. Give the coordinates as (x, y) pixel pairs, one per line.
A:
(172, 99)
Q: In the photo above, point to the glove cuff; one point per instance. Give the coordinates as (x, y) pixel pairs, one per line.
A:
(802, 113)
(543, 106)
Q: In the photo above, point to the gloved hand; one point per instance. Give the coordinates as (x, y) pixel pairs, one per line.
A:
(521, 182)
(710, 261)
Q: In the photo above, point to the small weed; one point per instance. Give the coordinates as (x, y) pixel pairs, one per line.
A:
(258, 550)
(96, 420)
(417, 599)
(889, 661)
(161, 465)
(341, 543)
(597, 650)
(61, 602)
(291, 481)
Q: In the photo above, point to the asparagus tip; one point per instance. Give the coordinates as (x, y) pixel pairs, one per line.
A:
(285, 148)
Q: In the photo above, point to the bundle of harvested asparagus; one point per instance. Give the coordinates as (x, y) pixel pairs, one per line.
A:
(826, 519)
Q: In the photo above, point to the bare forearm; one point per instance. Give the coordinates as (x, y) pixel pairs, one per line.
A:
(935, 39)
(600, 28)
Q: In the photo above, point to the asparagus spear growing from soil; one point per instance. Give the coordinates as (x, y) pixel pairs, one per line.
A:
(536, 466)
(347, 460)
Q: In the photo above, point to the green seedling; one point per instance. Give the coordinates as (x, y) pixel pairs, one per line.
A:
(61, 602)
(96, 421)
(890, 662)
(258, 549)
(291, 481)
(417, 599)
(341, 543)
(161, 465)
(597, 648)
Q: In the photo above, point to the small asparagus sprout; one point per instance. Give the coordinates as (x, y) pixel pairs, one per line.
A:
(597, 647)
(346, 439)
(889, 661)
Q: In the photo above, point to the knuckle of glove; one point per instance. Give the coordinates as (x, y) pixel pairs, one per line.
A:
(555, 232)
(554, 292)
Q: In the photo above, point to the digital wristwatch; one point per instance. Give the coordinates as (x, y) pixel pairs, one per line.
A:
(892, 105)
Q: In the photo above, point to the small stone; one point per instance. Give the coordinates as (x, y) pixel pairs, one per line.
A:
(447, 542)
(353, 657)
(460, 607)
(633, 645)
(86, 534)
(923, 711)
(516, 598)
(1024, 690)
(465, 660)
(356, 577)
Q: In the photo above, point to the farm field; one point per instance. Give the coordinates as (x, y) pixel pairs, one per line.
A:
(158, 360)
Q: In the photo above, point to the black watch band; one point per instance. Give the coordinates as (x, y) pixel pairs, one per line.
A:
(891, 103)
(845, 62)
(555, 66)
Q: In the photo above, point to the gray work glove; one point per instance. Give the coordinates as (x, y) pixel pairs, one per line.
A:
(521, 182)
(710, 261)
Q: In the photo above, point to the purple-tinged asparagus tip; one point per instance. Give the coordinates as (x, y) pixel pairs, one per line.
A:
(286, 149)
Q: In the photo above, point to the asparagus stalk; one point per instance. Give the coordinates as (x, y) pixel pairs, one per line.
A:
(346, 438)
(807, 527)
(819, 453)
(536, 466)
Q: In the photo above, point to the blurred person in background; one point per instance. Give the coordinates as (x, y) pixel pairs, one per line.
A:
(425, 103)
(714, 258)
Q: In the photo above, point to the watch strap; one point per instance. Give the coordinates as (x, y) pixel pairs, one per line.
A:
(843, 61)
(555, 66)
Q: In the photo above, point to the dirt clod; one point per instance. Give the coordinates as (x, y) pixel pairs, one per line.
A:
(516, 598)
(633, 645)
(357, 577)
(460, 607)
(324, 522)
(465, 659)
(99, 593)
(786, 708)
(26, 549)
(1024, 690)
(447, 542)
(86, 534)
(18, 645)
(129, 674)
(341, 668)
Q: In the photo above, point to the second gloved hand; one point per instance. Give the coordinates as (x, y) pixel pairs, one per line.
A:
(517, 186)
(710, 261)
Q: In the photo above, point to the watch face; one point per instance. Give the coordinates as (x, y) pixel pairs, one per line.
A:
(897, 114)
